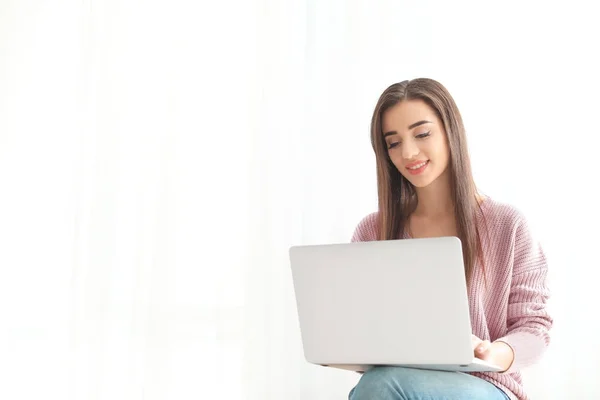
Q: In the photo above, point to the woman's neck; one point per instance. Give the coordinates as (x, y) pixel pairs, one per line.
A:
(435, 200)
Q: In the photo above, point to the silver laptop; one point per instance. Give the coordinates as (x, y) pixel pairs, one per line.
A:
(397, 302)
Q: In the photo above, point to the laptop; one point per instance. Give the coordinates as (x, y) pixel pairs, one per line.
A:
(394, 303)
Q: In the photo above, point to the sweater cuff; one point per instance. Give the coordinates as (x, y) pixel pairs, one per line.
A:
(527, 348)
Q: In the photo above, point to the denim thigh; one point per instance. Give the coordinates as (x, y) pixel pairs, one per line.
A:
(398, 383)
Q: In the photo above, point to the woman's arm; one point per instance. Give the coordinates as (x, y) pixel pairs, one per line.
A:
(528, 320)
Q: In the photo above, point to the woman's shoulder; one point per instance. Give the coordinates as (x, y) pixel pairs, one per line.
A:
(499, 213)
(507, 222)
(367, 228)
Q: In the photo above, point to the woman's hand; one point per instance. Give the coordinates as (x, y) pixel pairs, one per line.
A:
(497, 353)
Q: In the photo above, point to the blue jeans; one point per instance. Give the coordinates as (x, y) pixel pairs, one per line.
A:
(397, 383)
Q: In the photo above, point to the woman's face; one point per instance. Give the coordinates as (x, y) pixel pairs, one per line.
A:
(416, 141)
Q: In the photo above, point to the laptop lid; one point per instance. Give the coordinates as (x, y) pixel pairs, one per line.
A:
(397, 302)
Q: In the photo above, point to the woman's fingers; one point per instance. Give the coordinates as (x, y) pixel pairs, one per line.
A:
(482, 348)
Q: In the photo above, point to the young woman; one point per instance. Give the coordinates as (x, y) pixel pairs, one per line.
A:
(426, 189)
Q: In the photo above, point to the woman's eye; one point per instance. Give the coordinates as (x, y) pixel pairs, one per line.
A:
(423, 135)
(392, 145)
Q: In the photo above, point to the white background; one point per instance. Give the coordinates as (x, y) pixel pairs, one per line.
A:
(157, 159)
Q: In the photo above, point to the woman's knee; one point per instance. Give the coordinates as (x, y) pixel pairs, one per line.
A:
(381, 383)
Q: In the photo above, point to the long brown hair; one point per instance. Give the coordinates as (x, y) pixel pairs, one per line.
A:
(397, 196)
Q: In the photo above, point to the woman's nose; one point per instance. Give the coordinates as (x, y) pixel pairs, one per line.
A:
(409, 150)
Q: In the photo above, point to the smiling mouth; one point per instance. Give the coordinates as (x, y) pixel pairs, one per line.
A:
(420, 165)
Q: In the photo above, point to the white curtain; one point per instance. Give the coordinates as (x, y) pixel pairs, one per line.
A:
(157, 159)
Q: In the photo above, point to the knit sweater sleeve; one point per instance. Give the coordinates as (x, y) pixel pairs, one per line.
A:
(366, 230)
(528, 323)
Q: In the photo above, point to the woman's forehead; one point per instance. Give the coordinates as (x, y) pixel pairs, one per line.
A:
(406, 113)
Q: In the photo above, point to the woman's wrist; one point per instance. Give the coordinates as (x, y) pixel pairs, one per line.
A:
(503, 355)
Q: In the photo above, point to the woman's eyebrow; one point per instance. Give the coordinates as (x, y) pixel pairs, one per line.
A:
(411, 126)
